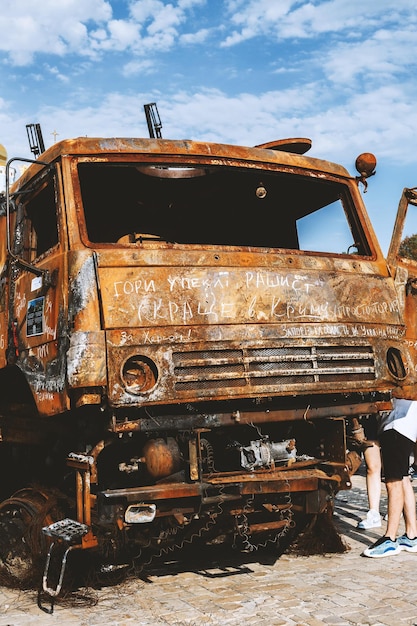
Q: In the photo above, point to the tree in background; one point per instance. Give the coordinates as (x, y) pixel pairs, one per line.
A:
(408, 247)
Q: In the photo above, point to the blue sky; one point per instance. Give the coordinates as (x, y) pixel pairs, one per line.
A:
(341, 72)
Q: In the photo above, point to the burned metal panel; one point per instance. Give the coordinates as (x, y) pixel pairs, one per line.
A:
(40, 326)
(233, 331)
(83, 297)
(249, 368)
(101, 149)
(87, 359)
(402, 259)
(87, 364)
(37, 298)
(146, 296)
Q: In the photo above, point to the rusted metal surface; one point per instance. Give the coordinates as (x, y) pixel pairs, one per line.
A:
(173, 314)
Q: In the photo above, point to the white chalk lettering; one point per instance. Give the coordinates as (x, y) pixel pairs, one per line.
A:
(341, 330)
(43, 351)
(172, 338)
(273, 308)
(187, 283)
(128, 287)
(44, 396)
(20, 304)
(227, 310)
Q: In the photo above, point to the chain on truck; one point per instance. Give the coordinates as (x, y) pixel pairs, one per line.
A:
(186, 330)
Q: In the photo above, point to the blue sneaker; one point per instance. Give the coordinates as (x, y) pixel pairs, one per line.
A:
(407, 544)
(384, 547)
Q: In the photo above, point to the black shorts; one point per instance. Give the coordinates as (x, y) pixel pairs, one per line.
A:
(396, 450)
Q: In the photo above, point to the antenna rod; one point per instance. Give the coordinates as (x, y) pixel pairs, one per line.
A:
(153, 120)
(35, 139)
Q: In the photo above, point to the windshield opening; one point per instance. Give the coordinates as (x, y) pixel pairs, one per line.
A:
(136, 204)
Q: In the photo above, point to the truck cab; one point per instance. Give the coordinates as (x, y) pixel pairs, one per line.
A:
(187, 329)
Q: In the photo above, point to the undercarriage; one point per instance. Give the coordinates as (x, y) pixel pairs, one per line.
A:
(140, 495)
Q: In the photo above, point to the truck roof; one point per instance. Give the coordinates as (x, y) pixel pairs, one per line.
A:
(280, 152)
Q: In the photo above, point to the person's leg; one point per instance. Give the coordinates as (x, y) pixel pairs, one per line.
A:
(395, 492)
(394, 448)
(372, 457)
(409, 508)
(408, 541)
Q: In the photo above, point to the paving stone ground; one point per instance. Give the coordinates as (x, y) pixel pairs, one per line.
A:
(327, 590)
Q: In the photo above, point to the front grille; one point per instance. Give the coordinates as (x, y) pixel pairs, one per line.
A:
(270, 366)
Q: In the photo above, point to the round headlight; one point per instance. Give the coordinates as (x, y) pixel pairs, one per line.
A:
(395, 364)
(139, 374)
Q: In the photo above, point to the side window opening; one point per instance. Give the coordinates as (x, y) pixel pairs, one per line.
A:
(41, 219)
(408, 245)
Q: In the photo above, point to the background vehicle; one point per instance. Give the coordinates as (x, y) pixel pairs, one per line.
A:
(185, 329)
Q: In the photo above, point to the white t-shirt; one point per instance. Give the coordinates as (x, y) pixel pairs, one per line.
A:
(403, 418)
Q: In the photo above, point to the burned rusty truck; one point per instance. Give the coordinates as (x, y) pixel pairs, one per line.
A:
(186, 329)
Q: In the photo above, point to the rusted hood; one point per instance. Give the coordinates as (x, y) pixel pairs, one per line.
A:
(305, 303)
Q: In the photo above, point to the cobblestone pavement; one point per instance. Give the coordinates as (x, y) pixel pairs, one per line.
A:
(330, 590)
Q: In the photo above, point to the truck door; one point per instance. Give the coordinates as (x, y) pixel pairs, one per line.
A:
(402, 260)
(37, 301)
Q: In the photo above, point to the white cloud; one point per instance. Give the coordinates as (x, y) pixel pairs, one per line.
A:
(48, 27)
(254, 18)
(87, 28)
(349, 88)
(338, 71)
(122, 35)
(139, 67)
(291, 18)
(143, 11)
(168, 18)
(378, 58)
(359, 124)
(197, 37)
(56, 72)
(190, 4)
